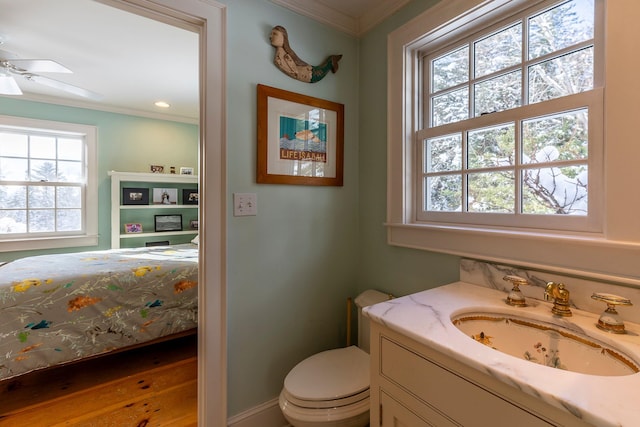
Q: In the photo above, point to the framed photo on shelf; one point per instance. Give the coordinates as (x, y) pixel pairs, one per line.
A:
(165, 196)
(190, 196)
(193, 224)
(133, 227)
(156, 168)
(186, 171)
(135, 196)
(300, 139)
(168, 222)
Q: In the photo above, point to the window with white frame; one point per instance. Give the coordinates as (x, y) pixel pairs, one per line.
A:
(47, 184)
(511, 129)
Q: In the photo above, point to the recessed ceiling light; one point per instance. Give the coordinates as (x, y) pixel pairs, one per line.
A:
(162, 104)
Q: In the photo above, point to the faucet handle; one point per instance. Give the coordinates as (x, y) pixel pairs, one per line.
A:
(610, 320)
(516, 297)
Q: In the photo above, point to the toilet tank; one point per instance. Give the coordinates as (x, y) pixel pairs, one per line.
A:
(365, 299)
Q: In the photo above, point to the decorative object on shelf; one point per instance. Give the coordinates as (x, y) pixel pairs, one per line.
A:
(158, 243)
(300, 139)
(186, 171)
(290, 64)
(134, 227)
(156, 168)
(135, 196)
(193, 224)
(168, 222)
(190, 196)
(165, 196)
(172, 170)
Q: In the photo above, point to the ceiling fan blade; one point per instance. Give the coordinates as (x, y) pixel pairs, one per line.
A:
(39, 66)
(63, 86)
(8, 86)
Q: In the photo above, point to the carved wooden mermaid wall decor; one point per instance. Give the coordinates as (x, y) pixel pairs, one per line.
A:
(289, 63)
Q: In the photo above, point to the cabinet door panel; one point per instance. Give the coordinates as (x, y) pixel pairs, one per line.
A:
(395, 414)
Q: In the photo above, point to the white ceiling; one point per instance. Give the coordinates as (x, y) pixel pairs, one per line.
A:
(134, 61)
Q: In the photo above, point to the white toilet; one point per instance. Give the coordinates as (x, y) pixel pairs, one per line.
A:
(331, 388)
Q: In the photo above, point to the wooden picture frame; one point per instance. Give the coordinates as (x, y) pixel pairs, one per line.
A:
(300, 139)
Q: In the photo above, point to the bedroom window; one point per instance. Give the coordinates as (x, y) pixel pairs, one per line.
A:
(47, 184)
(511, 112)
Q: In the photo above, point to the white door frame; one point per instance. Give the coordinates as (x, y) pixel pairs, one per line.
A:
(208, 19)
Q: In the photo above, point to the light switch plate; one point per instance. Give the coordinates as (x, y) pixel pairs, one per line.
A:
(245, 204)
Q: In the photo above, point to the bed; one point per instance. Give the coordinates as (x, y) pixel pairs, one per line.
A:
(56, 309)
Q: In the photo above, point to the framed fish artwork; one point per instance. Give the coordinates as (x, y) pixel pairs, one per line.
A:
(300, 139)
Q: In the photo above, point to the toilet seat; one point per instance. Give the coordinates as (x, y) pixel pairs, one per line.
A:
(326, 404)
(353, 415)
(332, 375)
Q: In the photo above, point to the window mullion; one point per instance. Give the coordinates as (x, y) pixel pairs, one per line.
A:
(518, 167)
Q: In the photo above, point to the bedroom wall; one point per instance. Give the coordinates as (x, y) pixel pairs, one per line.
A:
(291, 267)
(125, 143)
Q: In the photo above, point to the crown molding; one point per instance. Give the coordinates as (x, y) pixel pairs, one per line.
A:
(66, 102)
(379, 13)
(355, 26)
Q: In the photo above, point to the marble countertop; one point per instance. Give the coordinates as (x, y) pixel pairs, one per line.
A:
(598, 400)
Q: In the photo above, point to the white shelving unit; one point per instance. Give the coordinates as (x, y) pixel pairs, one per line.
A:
(117, 178)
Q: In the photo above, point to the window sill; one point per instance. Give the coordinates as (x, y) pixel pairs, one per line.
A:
(48, 243)
(589, 255)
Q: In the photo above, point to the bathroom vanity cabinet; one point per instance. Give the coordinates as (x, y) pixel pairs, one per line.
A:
(413, 385)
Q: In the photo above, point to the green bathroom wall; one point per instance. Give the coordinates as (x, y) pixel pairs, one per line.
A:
(291, 267)
(397, 270)
(125, 143)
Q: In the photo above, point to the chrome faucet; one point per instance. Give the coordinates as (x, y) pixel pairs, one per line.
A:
(560, 296)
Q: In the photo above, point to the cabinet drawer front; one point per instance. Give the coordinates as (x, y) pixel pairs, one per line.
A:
(395, 414)
(448, 393)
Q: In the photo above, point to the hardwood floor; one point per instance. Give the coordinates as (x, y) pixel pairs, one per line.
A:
(144, 387)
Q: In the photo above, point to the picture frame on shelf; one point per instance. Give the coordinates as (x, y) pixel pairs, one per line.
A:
(134, 227)
(300, 139)
(193, 224)
(156, 168)
(168, 222)
(190, 196)
(165, 196)
(186, 170)
(135, 196)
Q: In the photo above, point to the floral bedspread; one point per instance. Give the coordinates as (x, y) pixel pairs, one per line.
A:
(60, 308)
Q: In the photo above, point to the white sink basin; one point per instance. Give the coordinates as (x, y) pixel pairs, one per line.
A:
(545, 344)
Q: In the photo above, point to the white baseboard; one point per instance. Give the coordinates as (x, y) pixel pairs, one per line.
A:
(266, 415)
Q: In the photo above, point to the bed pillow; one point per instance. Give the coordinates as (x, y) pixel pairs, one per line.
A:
(196, 240)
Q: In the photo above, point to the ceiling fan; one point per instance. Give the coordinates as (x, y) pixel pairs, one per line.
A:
(10, 67)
